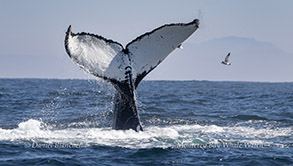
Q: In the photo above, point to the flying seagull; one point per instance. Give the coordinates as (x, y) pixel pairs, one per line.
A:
(226, 62)
(180, 46)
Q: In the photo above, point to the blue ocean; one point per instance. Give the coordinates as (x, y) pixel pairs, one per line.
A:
(68, 122)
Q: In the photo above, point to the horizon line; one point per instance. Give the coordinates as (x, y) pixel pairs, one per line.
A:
(99, 79)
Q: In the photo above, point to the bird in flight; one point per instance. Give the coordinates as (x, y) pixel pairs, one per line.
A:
(226, 62)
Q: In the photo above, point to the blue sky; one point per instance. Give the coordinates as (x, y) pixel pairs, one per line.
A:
(32, 32)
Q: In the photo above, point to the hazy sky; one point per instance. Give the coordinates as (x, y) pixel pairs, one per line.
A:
(32, 32)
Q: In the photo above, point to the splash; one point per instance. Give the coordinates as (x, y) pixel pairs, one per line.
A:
(38, 132)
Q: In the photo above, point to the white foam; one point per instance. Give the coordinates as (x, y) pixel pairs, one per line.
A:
(154, 136)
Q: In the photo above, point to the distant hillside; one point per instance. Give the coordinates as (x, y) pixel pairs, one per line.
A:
(251, 61)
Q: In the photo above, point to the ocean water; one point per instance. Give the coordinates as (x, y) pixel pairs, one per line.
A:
(68, 122)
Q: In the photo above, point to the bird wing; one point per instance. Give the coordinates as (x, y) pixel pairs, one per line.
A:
(227, 57)
(150, 49)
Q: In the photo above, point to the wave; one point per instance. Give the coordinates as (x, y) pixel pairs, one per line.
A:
(36, 132)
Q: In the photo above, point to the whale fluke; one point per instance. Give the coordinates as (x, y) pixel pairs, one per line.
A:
(126, 67)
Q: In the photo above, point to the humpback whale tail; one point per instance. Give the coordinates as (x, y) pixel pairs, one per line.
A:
(126, 67)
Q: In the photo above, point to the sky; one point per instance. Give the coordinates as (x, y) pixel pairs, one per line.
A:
(32, 32)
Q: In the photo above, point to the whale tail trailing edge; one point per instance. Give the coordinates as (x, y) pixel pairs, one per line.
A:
(126, 67)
